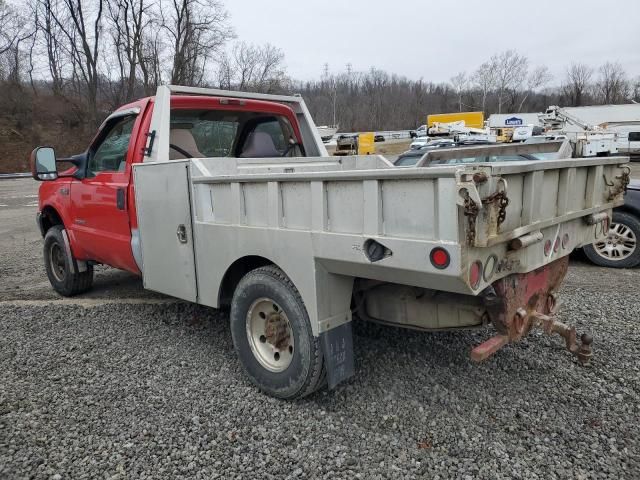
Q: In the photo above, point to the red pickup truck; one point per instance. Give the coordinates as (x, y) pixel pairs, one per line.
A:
(189, 190)
(87, 215)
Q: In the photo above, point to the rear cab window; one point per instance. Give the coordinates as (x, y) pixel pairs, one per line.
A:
(224, 133)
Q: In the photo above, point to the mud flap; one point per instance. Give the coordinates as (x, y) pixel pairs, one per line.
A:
(337, 347)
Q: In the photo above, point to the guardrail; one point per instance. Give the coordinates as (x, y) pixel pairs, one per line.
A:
(6, 176)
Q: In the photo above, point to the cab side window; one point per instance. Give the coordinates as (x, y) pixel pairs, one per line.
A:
(110, 151)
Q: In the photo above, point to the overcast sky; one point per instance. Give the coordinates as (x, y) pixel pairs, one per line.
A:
(437, 39)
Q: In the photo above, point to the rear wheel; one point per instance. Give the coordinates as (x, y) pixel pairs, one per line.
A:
(62, 268)
(620, 248)
(272, 335)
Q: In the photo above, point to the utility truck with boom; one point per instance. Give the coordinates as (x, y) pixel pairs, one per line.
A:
(458, 131)
(230, 200)
(589, 141)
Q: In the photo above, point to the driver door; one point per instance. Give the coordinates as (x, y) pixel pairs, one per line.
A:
(99, 201)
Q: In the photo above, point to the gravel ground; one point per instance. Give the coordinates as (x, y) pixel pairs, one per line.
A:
(123, 383)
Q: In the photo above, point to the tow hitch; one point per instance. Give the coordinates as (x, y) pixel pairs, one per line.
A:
(520, 302)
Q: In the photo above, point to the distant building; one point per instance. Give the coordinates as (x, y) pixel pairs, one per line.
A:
(612, 115)
(502, 120)
(615, 116)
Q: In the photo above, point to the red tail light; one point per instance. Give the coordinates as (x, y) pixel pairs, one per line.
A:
(439, 258)
(475, 272)
(547, 248)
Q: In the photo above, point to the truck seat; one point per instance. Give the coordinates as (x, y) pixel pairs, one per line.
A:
(259, 145)
(183, 138)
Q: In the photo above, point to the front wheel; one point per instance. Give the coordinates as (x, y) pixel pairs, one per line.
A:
(620, 248)
(272, 335)
(62, 268)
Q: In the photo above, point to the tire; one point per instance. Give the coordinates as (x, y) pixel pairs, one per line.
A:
(623, 251)
(283, 360)
(62, 267)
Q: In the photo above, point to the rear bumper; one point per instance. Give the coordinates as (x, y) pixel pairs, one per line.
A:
(533, 291)
(522, 301)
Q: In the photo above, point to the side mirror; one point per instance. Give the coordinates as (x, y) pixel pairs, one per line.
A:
(43, 164)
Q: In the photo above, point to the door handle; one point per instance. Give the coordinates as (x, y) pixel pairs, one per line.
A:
(120, 198)
(181, 233)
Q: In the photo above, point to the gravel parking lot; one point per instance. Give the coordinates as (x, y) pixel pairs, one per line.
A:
(124, 383)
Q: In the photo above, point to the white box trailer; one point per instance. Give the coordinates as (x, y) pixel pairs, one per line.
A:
(295, 245)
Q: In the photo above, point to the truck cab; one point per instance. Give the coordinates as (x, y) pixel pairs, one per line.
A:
(421, 131)
(93, 201)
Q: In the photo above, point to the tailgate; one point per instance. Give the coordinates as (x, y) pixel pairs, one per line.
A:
(503, 202)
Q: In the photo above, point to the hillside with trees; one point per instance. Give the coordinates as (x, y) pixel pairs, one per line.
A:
(65, 64)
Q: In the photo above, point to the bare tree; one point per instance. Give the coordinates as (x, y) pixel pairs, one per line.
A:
(511, 71)
(51, 37)
(14, 32)
(252, 67)
(128, 20)
(612, 85)
(484, 79)
(81, 29)
(9, 27)
(418, 98)
(198, 29)
(577, 83)
(226, 72)
(150, 58)
(635, 90)
(459, 83)
(271, 72)
(538, 78)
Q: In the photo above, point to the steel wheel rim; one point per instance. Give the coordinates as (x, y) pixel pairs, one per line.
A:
(57, 262)
(270, 335)
(619, 244)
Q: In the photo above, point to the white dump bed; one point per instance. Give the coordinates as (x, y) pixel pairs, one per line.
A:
(326, 221)
(315, 217)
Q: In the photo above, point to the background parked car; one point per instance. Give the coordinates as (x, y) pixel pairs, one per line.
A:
(620, 249)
